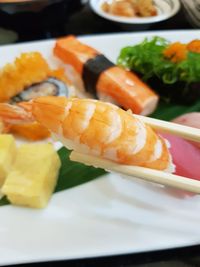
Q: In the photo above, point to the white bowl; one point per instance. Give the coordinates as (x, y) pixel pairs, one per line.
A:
(165, 9)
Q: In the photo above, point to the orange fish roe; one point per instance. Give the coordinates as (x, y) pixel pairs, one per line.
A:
(176, 52)
(27, 69)
(194, 46)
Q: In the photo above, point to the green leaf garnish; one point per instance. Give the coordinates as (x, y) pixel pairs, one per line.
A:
(74, 173)
(167, 111)
(147, 59)
(4, 201)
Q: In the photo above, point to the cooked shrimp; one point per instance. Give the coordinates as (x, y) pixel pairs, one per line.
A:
(1, 127)
(94, 127)
(130, 8)
(122, 8)
(146, 8)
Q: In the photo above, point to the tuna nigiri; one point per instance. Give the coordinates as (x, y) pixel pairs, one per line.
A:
(190, 119)
(186, 157)
(102, 78)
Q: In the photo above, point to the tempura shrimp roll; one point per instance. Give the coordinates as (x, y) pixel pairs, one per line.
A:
(27, 77)
(104, 79)
(96, 128)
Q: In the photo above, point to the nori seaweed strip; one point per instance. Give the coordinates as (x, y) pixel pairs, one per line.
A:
(92, 70)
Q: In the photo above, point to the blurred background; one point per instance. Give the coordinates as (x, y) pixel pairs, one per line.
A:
(27, 20)
(23, 20)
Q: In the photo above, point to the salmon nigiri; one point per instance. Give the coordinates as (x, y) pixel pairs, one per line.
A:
(104, 79)
(96, 128)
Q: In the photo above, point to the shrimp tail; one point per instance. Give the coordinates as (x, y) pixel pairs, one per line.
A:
(16, 114)
(27, 106)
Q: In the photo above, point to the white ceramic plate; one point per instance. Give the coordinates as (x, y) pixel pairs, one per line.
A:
(108, 216)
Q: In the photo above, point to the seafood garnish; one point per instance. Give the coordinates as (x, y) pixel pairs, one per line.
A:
(171, 69)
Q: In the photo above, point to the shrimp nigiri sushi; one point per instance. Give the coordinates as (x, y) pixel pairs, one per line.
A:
(96, 128)
(104, 79)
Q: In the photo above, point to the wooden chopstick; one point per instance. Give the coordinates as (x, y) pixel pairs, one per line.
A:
(186, 132)
(147, 174)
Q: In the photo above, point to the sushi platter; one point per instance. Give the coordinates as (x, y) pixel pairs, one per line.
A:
(114, 214)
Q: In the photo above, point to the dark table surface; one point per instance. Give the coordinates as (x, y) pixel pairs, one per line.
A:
(85, 22)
